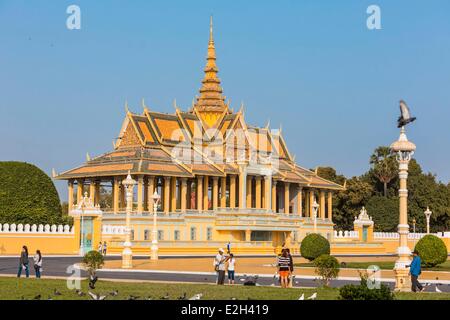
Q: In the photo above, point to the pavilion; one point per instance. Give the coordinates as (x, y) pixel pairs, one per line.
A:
(219, 178)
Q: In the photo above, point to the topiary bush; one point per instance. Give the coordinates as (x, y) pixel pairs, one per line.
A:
(327, 267)
(432, 250)
(314, 245)
(28, 195)
(363, 292)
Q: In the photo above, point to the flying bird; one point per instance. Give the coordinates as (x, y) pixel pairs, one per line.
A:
(313, 296)
(96, 296)
(405, 115)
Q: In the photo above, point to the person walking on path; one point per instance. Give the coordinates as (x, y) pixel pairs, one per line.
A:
(231, 268)
(23, 263)
(100, 247)
(219, 266)
(229, 247)
(283, 263)
(415, 271)
(38, 263)
(104, 248)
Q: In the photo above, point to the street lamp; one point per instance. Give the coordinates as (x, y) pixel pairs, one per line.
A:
(404, 151)
(315, 210)
(154, 250)
(428, 213)
(127, 254)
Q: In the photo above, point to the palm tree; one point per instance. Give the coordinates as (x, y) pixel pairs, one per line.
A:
(384, 166)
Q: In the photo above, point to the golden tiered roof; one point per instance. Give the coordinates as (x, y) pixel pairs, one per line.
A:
(210, 105)
(186, 144)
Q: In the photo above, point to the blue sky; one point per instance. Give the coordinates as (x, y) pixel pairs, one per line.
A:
(312, 66)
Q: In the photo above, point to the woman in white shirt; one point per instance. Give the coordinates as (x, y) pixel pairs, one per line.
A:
(38, 263)
(231, 266)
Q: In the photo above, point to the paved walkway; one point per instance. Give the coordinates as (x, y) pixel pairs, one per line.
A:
(260, 266)
(200, 270)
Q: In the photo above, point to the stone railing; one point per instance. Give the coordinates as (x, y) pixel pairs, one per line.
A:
(20, 228)
(111, 229)
(346, 234)
(411, 235)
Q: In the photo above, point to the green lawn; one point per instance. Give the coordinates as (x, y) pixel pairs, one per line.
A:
(17, 289)
(386, 265)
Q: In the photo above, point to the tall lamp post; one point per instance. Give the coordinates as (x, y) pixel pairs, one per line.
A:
(315, 210)
(428, 213)
(127, 254)
(404, 151)
(154, 250)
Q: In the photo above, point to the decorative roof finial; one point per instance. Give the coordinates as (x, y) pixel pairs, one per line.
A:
(211, 98)
(211, 38)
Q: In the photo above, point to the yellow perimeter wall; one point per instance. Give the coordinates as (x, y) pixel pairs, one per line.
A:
(67, 244)
(11, 243)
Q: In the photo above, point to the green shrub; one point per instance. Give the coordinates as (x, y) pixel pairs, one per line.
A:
(314, 245)
(93, 260)
(27, 195)
(363, 292)
(327, 267)
(432, 250)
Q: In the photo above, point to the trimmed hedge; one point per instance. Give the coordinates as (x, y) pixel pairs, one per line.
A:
(432, 250)
(314, 245)
(28, 195)
(363, 292)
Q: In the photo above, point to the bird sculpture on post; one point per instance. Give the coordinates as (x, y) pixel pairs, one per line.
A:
(405, 115)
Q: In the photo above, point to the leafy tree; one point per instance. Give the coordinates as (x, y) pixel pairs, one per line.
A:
(348, 203)
(93, 260)
(382, 204)
(327, 267)
(384, 212)
(330, 174)
(384, 166)
(28, 195)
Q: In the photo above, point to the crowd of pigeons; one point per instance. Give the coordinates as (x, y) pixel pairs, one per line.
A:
(247, 280)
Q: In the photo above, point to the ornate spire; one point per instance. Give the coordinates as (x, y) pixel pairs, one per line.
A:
(211, 98)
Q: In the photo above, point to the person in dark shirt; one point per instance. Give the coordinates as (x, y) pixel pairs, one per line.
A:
(23, 263)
